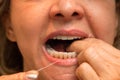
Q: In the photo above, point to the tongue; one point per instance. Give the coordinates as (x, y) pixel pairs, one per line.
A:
(59, 46)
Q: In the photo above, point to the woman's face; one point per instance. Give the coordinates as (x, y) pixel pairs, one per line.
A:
(43, 29)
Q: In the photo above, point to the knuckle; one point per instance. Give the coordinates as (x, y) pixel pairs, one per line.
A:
(83, 66)
(89, 51)
(90, 54)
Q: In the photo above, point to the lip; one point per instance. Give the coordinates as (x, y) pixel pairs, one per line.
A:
(63, 62)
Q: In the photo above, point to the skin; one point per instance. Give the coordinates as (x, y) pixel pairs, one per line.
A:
(96, 62)
(31, 21)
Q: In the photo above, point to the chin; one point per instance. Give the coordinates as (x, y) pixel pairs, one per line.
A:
(66, 77)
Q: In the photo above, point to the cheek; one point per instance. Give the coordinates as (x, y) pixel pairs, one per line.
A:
(29, 29)
(106, 28)
(103, 23)
(31, 22)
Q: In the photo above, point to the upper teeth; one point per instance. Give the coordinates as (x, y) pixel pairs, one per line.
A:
(66, 37)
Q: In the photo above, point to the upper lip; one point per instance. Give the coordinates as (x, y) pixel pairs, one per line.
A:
(73, 32)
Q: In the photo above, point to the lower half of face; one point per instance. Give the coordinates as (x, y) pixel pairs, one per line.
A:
(44, 33)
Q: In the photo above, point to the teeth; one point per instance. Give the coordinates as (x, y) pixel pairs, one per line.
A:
(66, 37)
(60, 55)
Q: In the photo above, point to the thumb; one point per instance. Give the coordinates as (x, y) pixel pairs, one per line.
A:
(30, 75)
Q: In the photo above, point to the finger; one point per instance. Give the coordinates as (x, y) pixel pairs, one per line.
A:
(98, 54)
(93, 57)
(89, 51)
(30, 75)
(111, 50)
(100, 61)
(86, 72)
(77, 46)
(81, 45)
(85, 48)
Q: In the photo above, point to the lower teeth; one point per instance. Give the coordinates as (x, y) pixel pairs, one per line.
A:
(60, 55)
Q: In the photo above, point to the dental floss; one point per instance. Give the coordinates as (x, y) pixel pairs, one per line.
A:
(47, 66)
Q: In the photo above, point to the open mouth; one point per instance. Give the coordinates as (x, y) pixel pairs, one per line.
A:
(57, 46)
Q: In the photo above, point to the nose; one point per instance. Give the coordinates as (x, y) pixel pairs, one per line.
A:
(66, 10)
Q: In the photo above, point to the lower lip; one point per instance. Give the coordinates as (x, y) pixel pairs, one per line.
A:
(63, 62)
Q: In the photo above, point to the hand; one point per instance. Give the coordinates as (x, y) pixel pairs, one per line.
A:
(97, 60)
(30, 75)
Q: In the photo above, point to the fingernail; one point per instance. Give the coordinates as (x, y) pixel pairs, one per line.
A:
(32, 75)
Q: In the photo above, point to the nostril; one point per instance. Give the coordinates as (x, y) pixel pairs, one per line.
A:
(59, 15)
(75, 14)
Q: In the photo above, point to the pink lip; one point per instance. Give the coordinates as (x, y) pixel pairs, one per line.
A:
(63, 62)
